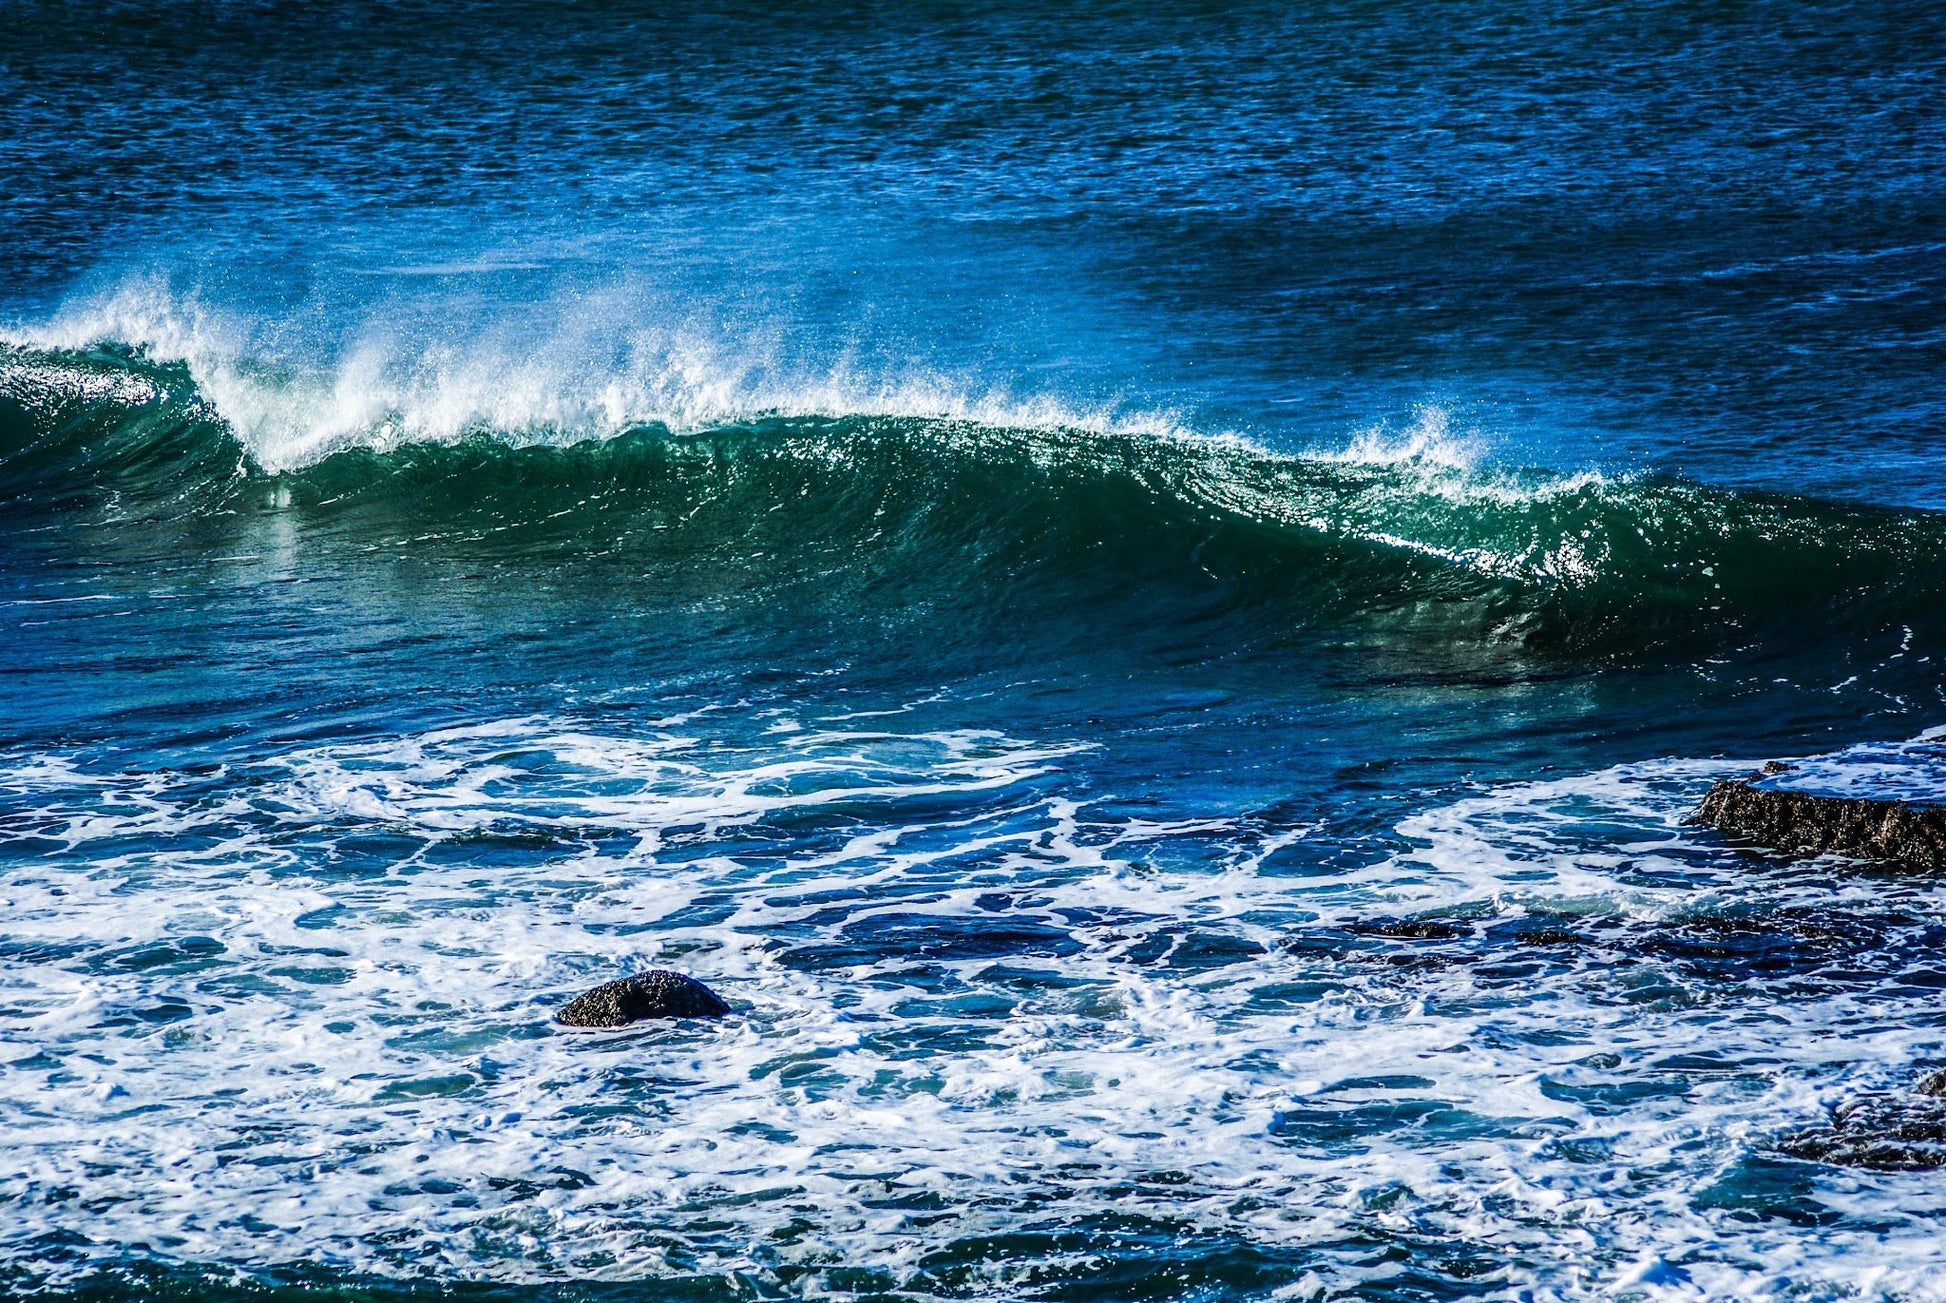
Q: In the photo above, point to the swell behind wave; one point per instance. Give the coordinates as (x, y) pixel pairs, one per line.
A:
(945, 511)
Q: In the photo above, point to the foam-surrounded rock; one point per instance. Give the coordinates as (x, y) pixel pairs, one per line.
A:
(1809, 823)
(658, 993)
(1886, 1132)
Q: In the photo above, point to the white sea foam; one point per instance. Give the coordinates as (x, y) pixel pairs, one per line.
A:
(1912, 771)
(310, 992)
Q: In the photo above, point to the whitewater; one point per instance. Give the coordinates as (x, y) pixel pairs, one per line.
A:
(1001, 998)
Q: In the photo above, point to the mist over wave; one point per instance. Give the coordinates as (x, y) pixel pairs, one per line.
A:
(578, 365)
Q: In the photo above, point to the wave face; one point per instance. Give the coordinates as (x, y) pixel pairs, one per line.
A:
(947, 510)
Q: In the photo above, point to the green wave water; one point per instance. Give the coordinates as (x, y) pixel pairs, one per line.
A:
(903, 510)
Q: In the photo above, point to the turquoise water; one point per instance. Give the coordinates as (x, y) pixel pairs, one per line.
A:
(1145, 594)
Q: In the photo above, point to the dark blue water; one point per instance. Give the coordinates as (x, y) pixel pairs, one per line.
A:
(1144, 592)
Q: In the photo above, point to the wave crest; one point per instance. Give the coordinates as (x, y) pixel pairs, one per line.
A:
(578, 377)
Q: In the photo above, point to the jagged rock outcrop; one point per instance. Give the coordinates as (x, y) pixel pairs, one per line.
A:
(658, 993)
(1766, 811)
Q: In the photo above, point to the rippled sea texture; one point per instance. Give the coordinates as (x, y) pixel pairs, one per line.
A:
(1145, 593)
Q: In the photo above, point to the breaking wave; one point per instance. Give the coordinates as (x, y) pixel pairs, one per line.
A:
(995, 502)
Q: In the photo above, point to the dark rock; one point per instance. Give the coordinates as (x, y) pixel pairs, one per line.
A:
(1549, 936)
(658, 993)
(1805, 823)
(1410, 929)
(1887, 1132)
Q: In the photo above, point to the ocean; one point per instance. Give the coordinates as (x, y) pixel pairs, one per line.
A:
(1146, 592)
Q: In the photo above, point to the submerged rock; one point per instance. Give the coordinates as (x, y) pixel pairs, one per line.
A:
(1885, 803)
(1887, 1132)
(658, 993)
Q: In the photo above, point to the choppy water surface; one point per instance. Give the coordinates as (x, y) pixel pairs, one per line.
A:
(1146, 594)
